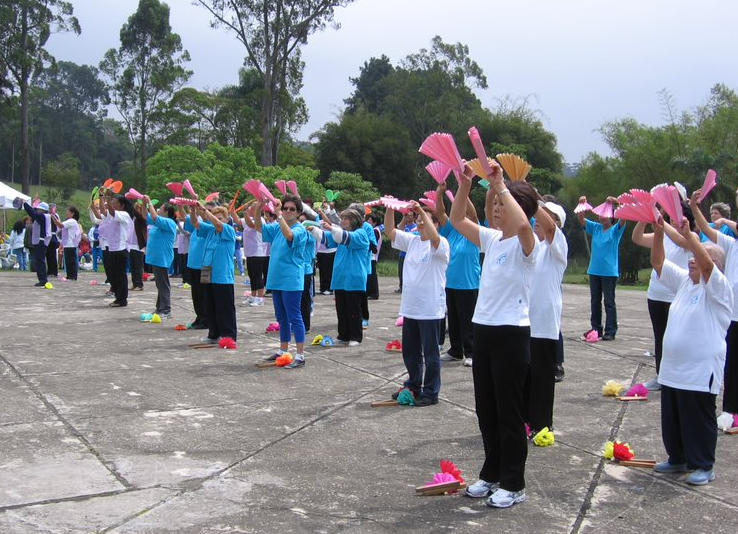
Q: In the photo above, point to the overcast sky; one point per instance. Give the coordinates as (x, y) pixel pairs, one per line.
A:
(584, 62)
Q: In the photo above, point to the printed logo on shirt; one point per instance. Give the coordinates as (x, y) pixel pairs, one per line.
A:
(501, 259)
(695, 299)
(425, 258)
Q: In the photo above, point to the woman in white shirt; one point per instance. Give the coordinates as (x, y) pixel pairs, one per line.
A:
(501, 331)
(71, 234)
(118, 214)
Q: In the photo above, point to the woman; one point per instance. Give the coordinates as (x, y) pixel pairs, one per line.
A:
(423, 303)
(285, 278)
(137, 246)
(694, 353)
(349, 272)
(118, 222)
(501, 332)
(327, 256)
(546, 306)
(15, 242)
(308, 268)
(160, 252)
(71, 234)
(217, 274)
(257, 256)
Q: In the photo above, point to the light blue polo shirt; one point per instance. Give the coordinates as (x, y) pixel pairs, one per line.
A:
(197, 246)
(463, 270)
(286, 271)
(160, 245)
(218, 252)
(605, 249)
(349, 267)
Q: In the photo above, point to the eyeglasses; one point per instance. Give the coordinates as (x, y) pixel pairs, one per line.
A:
(289, 209)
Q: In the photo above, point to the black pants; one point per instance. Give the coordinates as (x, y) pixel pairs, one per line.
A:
(106, 264)
(372, 284)
(540, 383)
(198, 299)
(688, 427)
(137, 268)
(306, 303)
(730, 380)
(659, 313)
(560, 350)
(220, 309)
(501, 358)
(460, 304)
(348, 310)
(325, 266)
(70, 262)
(52, 260)
(365, 304)
(163, 290)
(421, 357)
(256, 267)
(400, 265)
(184, 269)
(117, 275)
(600, 286)
(39, 257)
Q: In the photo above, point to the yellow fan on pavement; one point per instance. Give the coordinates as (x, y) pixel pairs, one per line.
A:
(477, 167)
(517, 168)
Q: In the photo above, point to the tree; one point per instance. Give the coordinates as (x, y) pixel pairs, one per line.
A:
(352, 188)
(145, 71)
(272, 32)
(27, 25)
(62, 175)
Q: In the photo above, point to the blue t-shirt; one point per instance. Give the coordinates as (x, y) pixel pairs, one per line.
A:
(463, 270)
(605, 248)
(350, 267)
(218, 252)
(197, 246)
(308, 254)
(286, 272)
(725, 229)
(160, 246)
(369, 229)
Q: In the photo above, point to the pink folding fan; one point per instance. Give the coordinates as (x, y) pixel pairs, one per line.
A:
(476, 141)
(708, 185)
(438, 171)
(442, 147)
(668, 198)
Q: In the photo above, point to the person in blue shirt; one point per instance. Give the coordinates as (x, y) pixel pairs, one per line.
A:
(217, 260)
(720, 217)
(349, 272)
(194, 264)
(160, 252)
(604, 270)
(371, 235)
(308, 257)
(286, 276)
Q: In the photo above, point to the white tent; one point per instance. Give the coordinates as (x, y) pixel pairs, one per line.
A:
(7, 195)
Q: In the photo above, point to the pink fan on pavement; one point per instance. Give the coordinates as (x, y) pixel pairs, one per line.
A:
(450, 195)
(604, 210)
(639, 212)
(133, 194)
(188, 186)
(443, 478)
(668, 198)
(708, 185)
(282, 186)
(176, 188)
(442, 147)
(476, 141)
(638, 390)
(583, 206)
(403, 206)
(292, 186)
(212, 197)
(438, 171)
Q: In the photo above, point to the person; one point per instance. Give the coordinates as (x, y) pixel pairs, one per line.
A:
(327, 256)
(194, 264)
(28, 244)
(462, 282)
(84, 253)
(349, 272)
(372, 283)
(117, 212)
(183, 251)
(693, 353)
(546, 305)
(137, 246)
(15, 242)
(729, 245)
(372, 237)
(501, 331)
(160, 252)
(423, 302)
(70, 238)
(257, 255)
(659, 297)
(603, 270)
(308, 258)
(217, 273)
(285, 277)
(41, 233)
(408, 224)
(719, 214)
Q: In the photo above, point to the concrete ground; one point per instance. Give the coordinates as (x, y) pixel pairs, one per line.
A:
(108, 424)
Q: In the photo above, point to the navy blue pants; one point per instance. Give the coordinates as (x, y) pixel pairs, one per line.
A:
(39, 258)
(688, 427)
(420, 339)
(600, 286)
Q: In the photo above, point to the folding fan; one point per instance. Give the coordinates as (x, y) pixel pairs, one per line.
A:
(252, 188)
(292, 186)
(517, 168)
(682, 190)
(626, 198)
(438, 171)
(639, 212)
(583, 206)
(266, 193)
(133, 194)
(373, 203)
(188, 186)
(604, 210)
(212, 197)
(282, 186)
(184, 201)
(442, 147)
(479, 168)
(403, 206)
(450, 195)
(708, 185)
(176, 188)
(476, 141)
(428, 202)
(641, 196)
(668, 198)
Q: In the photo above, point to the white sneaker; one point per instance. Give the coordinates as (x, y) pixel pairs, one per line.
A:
(653, 385)
(467, 362)
(481, 488)
(354, 343)
(256, 301)
(505, 499)
(326, 292)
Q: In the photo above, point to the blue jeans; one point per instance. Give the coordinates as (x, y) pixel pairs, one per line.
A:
(599, 286)
(20, 255)
(96, 257)
(289, 316)
(420, 345)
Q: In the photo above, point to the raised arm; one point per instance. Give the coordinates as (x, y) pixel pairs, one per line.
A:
(440, 211)
(286, 230)
(150, 207)
(701, 256)
(463, 225)
(429, 228)
(640, 238)
(389, 224)
(212, 219)
(546, 222)
(580, 216)
(699, 218)
(726, 222)
(657, 246)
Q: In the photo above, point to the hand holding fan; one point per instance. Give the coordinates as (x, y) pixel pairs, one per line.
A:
(403, 206)
(442, 147)
(133, 194)
(438, 171)
(583, 206)
(476, 141)
(708, 185)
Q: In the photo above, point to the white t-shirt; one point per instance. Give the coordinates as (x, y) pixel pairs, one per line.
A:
(71, 234)
(507, 277)
(694, 341)
(119, 230)
(546, 301)
(679, 257)
(423, 276)
(730, 246)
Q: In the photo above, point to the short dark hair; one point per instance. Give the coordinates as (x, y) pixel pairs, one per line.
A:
(295, 199)
(526, 196)
(75, 212)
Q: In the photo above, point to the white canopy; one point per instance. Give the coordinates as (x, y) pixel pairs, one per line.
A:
(8, 194)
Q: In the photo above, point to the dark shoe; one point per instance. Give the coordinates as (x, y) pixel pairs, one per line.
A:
(116, 304)
(272, 358)
(397, 393)
(666, 467)
(425, 401)
(296, 364)
(559, 376)
(608, 337)
(39, 284)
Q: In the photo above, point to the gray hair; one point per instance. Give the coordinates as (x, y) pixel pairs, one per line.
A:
(354, 218)
(717, 254)
(722, 207)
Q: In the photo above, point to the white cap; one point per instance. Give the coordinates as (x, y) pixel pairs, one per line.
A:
(556, 210)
